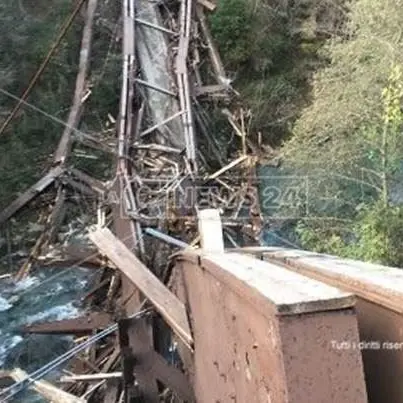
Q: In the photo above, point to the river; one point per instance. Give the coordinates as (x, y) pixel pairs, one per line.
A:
(48, 294)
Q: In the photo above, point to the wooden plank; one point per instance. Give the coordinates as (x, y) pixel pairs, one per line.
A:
(157, 147)
(71, 255)
(167, 304)
(93, 183)
(208, 4)
(155, 87)
(32, 192)
(214, 55)
(157, 27)
(232, 164)
(133, 340)
(210, 230)
(64, 146)
(47, 390)
(82, 325)
(160, 124)
(90, 377)
(80, 187)
(211, 90)
(57, 216)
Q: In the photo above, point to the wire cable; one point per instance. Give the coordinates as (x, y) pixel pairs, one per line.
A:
(42, 67)
(18, 387)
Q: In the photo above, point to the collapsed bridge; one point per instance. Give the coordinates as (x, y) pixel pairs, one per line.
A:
(235, 328)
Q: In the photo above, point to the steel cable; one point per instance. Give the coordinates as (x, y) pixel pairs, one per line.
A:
(19, 386)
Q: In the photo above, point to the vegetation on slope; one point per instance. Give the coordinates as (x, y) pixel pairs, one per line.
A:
(324, 79)
(27, 34)
(321, 77)
(270, 49)
(350, 139)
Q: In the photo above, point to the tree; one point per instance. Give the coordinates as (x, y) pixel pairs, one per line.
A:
(350, 137)
(271, 49)
(26, 34)
(347, 94)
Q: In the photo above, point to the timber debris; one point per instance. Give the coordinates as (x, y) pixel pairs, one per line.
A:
(169, 169)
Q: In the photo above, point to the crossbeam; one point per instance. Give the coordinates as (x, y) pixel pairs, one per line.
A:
(157, 27)
(155, 87)
(164, 122)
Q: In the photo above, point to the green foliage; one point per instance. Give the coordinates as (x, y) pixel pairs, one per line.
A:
(374, 236)
(265, 46)
(321, 239)
(231, 27)
(347, 94)
(374, 231)
(27, 33)
(26, 144)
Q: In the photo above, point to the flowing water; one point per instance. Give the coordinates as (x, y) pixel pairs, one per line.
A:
(49, 294)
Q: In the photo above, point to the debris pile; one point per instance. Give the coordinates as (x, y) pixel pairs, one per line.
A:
(169, 167)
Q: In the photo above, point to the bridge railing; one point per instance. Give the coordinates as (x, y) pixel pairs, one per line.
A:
(379, 291)
(265, 334)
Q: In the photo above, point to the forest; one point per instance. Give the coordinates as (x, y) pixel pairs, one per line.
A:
(322, 81)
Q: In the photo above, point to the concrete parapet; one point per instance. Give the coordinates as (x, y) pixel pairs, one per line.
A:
(265, 334)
